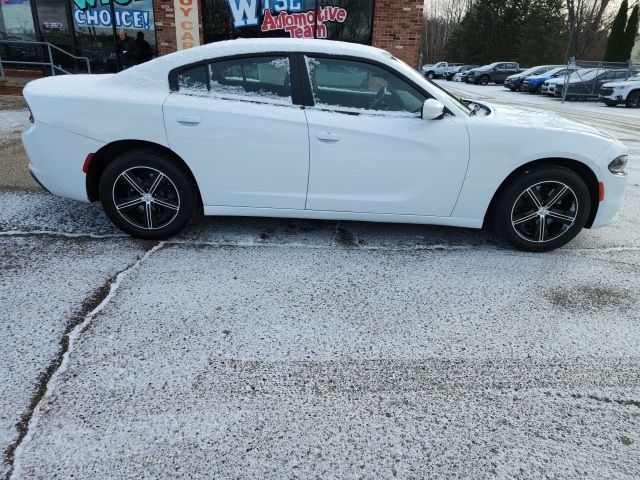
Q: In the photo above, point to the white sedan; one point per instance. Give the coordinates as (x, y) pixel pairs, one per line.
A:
(314, 129)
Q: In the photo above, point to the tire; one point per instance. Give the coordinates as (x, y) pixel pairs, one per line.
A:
(513, 89)
(538, 90)
(484, 80)
(160, 196)
(633, 99)
(518, 219)
(430, 75)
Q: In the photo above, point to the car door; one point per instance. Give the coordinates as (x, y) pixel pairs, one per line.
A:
(370, 151)
(235, 124)
(500, 73)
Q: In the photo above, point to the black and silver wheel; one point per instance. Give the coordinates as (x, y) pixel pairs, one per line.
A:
(430, 75)
(543, 209)
(147, 195)
(484, 80)
(633, 99)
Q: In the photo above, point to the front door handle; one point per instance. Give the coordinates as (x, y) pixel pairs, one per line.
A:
(190, 119)
(328, 137)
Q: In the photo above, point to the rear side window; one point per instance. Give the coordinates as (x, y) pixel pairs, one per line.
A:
(258, 79)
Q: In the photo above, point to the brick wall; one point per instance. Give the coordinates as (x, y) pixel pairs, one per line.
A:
(398, 29)
(166, 25)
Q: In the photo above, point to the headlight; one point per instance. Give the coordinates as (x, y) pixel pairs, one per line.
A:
(620, 87)
(617, 167)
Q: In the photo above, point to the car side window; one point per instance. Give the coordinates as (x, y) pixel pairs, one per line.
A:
(359, 87)
(258, 79)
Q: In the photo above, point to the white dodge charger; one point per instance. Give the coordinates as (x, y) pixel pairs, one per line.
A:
(314, 129)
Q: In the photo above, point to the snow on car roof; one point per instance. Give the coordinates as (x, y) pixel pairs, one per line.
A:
(154, 73)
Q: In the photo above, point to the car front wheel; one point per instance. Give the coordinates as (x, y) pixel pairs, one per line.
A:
(147, 195)
(543, 209)
(484, 80)
(633, 99)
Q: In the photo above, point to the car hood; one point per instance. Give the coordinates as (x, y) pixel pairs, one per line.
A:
(532, 118)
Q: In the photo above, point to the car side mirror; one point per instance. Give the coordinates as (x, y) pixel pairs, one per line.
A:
(432, 109)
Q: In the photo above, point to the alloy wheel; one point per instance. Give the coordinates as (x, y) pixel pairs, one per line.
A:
(146, 198)
(544, 211)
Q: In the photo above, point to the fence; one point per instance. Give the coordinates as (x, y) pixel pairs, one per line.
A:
(585, 78)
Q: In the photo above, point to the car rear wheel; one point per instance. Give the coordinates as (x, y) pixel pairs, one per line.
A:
(542, 209)
(147, 195)
(633, 99)
(484, 80)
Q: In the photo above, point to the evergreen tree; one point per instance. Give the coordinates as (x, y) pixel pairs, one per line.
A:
(631, 32)
(527, 31)
(544, 33)
(616, 44)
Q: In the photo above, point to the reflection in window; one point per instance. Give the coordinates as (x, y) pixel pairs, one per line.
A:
(263, 79)
(16, 23)
(135, 38)
(360, 87)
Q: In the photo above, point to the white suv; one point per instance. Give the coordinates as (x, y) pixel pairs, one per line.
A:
(626, 92)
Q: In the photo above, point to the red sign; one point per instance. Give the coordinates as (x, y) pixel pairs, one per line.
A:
(301, 25)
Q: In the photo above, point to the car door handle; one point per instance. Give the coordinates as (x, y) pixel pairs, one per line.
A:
(190, 119)
(328, 137)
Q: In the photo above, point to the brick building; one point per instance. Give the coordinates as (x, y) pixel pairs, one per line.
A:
(108, 31)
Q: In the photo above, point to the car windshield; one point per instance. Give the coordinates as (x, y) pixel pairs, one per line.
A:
(532, 70)
(588, 74)
(419, 79)
(553, 71)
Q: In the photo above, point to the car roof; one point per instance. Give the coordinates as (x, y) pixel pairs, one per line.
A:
(155, 72)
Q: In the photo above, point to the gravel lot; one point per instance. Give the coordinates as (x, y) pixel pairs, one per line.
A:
(260, 348)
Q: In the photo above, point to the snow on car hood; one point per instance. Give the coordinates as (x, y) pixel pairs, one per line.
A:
(532, 118)
(622, 83)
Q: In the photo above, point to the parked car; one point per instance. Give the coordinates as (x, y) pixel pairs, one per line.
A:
(462, 76)
(496, 72)
(434, 71)
(535, 83)
(212, 128)
(452, 70)
(586, 86)
(625, 93)
(513, 82)
(549, 86)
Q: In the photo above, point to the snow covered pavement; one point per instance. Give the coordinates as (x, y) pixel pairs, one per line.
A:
(259, 348)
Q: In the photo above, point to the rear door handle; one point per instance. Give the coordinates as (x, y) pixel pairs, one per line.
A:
(328, 137)
(191, 119)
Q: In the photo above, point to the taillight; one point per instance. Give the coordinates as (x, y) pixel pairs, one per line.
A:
(87, 163)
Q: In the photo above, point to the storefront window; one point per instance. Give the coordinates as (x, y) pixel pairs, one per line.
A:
(16, 24)
(347, 20)
(135, 40)
(16, 20)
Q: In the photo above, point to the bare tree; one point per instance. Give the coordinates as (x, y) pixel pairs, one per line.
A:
(589, 20)
(441, 17)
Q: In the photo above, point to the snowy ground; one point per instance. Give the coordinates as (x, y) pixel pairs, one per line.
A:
(258, 348)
